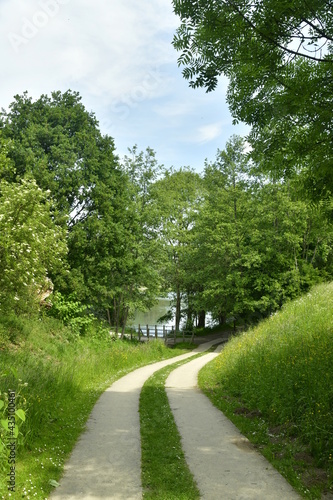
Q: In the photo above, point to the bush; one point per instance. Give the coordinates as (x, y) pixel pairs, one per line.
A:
(71, 312)
(32, 245)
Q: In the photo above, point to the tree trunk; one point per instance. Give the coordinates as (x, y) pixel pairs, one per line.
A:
(222, 319)
(124, 322)
(109, 316)
(178, 309)
(189, 311)
(116, 314)
(202, 319)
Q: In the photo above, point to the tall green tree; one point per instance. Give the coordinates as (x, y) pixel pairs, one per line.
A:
(32, 245)
(137, 275)
(257, 244)
(278, 57)
(225, 259)
(294, 241)
(58, 143)
(177, 197)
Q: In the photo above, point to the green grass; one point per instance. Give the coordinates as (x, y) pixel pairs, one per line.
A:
(57, 379)
(276, 383)
(165, 473)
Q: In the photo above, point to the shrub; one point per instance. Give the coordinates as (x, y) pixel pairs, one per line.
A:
(71, 312)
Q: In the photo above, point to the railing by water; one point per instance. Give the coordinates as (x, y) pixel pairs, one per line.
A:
(166, 332)
(157, 331)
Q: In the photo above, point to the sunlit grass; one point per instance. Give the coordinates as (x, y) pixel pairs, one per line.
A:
(283, 369)
(165, 473)
(57, 380)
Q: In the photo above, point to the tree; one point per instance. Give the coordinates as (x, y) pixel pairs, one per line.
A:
(5, 164)
(225, 260)
(57, 142)
(257, 244)
(278, 57)
(116, 248)
(177, 198)
(32, 246)
(137, 273)
(293, 239)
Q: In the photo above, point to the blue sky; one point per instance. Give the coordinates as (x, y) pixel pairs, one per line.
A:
(118, 55)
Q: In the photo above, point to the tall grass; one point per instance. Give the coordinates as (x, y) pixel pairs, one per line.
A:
(57, 379)
(283, 368)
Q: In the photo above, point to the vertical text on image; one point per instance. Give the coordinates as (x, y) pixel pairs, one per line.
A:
(11, 445)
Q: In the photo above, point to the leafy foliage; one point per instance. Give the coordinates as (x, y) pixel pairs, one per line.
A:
(32, 245)
(71, 312)
(57, 142)
(256, 243)
(278, 58)
(177, 197)
(137, 271)
(233, 243)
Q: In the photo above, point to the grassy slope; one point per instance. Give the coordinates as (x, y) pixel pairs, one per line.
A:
(276, 383)
(57, 380)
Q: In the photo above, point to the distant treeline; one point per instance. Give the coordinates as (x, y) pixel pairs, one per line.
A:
(109, 235)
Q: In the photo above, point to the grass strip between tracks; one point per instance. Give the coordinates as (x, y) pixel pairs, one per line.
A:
(165, 473)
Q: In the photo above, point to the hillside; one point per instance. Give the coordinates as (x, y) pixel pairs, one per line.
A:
(276, 383)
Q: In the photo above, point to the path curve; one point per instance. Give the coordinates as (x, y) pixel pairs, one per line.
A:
(222, 461)
(106, 461)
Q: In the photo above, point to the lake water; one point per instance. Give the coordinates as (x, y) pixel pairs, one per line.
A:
(160, 309)
(150, 317)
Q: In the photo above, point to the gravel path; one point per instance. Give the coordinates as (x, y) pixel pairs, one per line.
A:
(223, 462)
(106, 462)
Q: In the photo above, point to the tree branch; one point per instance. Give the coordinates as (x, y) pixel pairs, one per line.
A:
(274, 42)
(318, 30)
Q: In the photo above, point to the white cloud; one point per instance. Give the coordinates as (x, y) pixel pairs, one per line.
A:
(107, 48)
(209, 132)
(247, 147)
(174, 109)
(118, 55)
